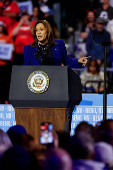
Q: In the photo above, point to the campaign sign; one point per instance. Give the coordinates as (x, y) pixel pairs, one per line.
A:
(26, 5)
(6, 51)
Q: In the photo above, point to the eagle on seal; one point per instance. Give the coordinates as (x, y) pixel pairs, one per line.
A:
(38, 82)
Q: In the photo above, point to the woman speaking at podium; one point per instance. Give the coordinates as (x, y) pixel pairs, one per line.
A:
(45, 50)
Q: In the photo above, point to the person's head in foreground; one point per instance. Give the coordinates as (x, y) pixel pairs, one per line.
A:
(57, 159)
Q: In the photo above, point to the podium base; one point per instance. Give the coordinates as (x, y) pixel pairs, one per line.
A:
(31, 119)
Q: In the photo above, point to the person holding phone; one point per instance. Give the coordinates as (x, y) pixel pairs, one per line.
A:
(45, 50)
(48, 136)
(46, 133)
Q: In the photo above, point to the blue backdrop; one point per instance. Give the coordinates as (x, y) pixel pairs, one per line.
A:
(91, 110)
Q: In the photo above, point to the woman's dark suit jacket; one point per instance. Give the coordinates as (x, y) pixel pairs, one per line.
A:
(59, 54)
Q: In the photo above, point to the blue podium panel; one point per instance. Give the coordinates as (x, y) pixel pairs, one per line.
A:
(90, 110)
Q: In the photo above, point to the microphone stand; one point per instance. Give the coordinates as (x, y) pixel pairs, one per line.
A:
(105, 44)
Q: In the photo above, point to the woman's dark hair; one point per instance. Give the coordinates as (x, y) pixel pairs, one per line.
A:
(96, 64)
(50, 36)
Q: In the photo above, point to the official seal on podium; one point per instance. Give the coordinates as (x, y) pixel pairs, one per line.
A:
(38, 81)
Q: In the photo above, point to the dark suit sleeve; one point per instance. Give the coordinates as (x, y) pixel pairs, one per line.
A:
(66, 60)
(26, 56)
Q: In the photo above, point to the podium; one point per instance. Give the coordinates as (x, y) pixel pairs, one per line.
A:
(55, 105)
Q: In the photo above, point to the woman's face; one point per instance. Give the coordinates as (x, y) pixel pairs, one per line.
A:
(35, 11)
(41, 33)
(90, 16)
(26, 20)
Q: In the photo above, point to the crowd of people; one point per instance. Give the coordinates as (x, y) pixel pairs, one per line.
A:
(16, 28)
(96, 28)
(90, 148)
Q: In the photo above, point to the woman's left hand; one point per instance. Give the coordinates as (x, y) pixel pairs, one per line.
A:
(83, 60)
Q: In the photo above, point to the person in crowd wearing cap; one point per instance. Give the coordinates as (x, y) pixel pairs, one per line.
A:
(5, 66)
(15, 132)
(94, 39)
